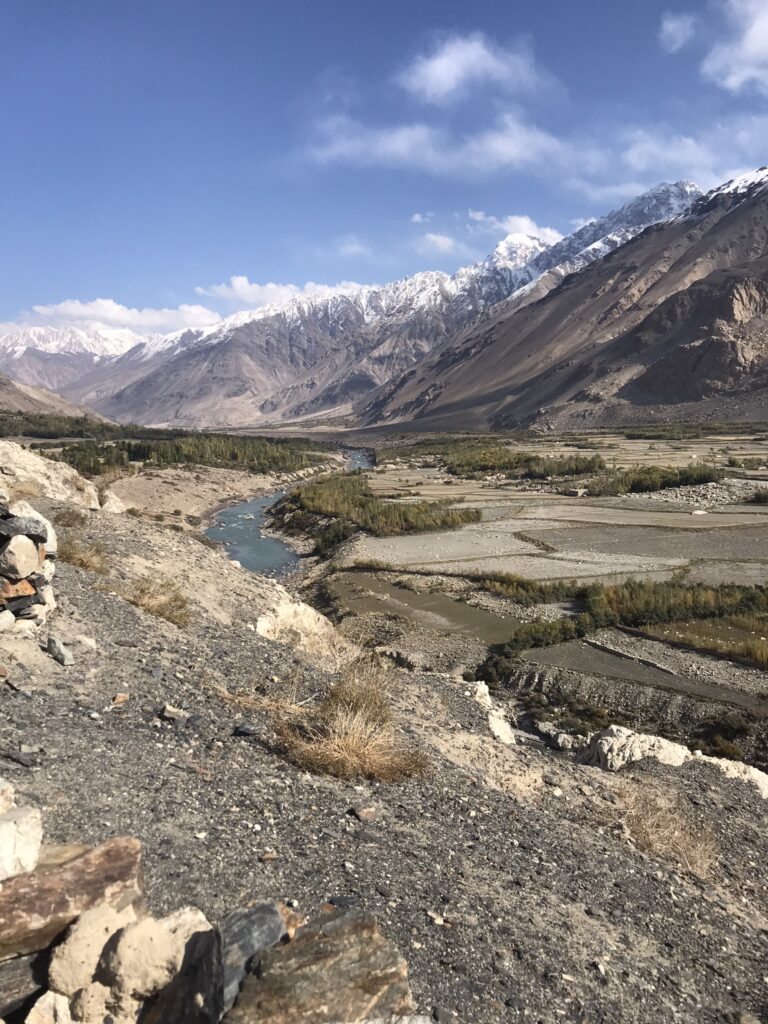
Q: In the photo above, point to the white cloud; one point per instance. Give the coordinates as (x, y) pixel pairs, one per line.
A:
(244, 293)
(514, 224)
(741, 61)
(676, 31)
(509, 144)
(422, 218)
(350, 245)
(109, 313)
(434, 242)
(458, 62)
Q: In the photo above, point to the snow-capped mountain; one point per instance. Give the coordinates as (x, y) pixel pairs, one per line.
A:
(53, 357)
(322, 354)
(671, 325)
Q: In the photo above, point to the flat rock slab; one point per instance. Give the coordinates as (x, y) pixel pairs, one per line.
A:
(338, 969)
(20, 980)
(37, 907)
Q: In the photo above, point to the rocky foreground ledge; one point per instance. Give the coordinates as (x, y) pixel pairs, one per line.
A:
(77, 943)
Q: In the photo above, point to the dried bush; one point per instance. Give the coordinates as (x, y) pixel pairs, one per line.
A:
(658, 824)
(159, 597)
(350, 732)
(84, 555)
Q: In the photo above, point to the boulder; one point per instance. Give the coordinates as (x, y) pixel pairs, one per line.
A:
(10, 590)
(19, 558)
(21, 835)
(74, 962)
(111, 503)
(7, 621)
(46, 535)
(194, 994)
(52, 479)
(36, 908)
(59, 652)
(147, 955)
(338, 969)
(244, 933)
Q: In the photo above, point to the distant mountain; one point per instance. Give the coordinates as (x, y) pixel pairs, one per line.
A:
(323, 356)
(15, 397)
(671, 325)
(53, 357)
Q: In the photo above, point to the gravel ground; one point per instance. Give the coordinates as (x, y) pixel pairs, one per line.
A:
(502, 874)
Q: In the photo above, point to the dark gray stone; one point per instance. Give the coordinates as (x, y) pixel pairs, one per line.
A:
(24, 526)
(243, 934)
(20, 980)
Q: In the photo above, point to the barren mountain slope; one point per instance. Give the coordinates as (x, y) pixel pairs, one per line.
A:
(573, 355)
(15, 397)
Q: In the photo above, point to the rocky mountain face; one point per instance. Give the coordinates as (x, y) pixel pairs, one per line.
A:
(321, 356)
(670, 325)
(53, 357)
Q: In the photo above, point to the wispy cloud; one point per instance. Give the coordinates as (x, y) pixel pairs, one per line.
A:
(513, 224)
(422, 218)
(458, 62)
(676, 30)
(510, 143)
(443, 245)
(249, 294)
(740, 61)
(109, 313)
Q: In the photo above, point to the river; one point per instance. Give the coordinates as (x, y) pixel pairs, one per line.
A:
(240, 529)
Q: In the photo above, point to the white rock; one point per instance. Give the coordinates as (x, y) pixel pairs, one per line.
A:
(616, 747)
(147, 954)
(19, 558)
(50, 1008)
(50, 601)
(23, 508)
(48, 569)
(7, 621)
(21, 834)
(111, 503)
(482, 696)
(74, 962)
(7, 795)
(52, 479)
(25, 628)
(500, 728)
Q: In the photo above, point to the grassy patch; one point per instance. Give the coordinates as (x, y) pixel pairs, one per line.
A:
(658, 824)
(84, 555)
(161, 598)
(349, 502)
(642, 479)
(349, 733)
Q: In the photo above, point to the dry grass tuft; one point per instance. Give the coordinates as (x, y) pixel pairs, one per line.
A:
(71, 517)
(657, 823)
(350, 732)
(161, 598)
(92, 557)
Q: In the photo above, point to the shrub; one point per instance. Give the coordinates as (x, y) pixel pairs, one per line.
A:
(760, 497)
(90, 556)
(162, 598)
(350, 733)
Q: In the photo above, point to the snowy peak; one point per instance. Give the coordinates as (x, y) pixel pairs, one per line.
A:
(516, 250)
(737, 190)
(101, 342)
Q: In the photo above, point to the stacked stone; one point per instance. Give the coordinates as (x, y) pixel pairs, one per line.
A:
(27, 565)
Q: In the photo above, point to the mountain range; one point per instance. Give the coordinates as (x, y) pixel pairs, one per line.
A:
(316, 358)
(657, 311)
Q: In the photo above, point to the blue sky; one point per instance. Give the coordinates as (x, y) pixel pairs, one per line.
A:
(168, 162)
